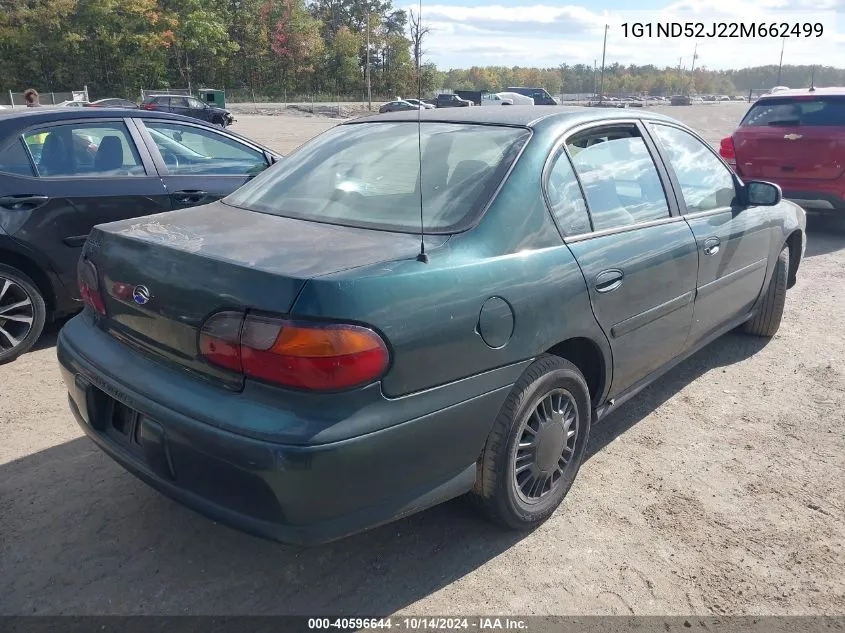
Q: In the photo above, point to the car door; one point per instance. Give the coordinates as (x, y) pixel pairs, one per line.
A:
(639, 257)
(179, 105)
(733, 242)
(198, 109)
(199, 164)
(87, 172)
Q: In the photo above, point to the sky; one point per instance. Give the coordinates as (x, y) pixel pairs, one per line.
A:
(547, 33)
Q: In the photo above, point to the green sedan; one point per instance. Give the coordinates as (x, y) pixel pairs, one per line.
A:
(417, 306)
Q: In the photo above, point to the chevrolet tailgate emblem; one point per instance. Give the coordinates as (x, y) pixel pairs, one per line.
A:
(793, 137)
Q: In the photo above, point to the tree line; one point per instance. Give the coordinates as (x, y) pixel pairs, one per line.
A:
(264, 49)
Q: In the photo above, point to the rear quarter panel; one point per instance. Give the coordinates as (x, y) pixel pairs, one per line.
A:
(788, 218)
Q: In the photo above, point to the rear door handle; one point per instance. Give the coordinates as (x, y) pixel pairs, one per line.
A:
(711, 246)
(23, 203)
(609, 280)
(192, 196)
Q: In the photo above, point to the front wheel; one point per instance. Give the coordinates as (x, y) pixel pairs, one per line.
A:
(536, 446)
(767, 318)
(22, 313)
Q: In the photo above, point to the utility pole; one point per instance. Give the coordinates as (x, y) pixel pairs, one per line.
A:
(595, 75)
(780, 64)
(603, 51)
(369, 87)
(694, 57)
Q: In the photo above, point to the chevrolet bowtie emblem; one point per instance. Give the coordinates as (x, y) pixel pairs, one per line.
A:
(793, 137)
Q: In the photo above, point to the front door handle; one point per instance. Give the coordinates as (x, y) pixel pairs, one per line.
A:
(711, 246)
(609, 280)
(190, 196)
(23, 203)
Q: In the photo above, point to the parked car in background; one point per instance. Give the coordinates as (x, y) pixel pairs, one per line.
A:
(188, 106)
(540, 95)
(399, 106)
(113, 103)
(445, 100)
(515, 98)
(288, 361)
(418, 102)
(493, 99)
(795, 138)
(69, 104)
(64, 171)
(679, 100)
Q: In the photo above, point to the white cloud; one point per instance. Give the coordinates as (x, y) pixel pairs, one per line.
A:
(548, 35)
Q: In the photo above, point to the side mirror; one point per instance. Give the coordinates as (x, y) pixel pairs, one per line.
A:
(762, 194)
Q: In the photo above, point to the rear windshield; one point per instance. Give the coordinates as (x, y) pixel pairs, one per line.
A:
(803, 110)
(368, 175)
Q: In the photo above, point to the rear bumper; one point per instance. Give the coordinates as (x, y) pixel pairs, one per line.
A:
(816, 201)
(295, 493)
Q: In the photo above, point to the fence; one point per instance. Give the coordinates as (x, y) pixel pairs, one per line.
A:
(16, 100)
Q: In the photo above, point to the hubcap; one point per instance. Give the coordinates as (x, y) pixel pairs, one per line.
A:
(545, 446)
(16, 314)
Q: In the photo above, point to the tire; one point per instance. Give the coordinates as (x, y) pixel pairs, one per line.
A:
(221, 123)
(22, 313)
(506, 497)
(766, 319)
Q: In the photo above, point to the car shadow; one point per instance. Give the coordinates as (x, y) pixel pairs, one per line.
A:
(825, 234)
(50, 335)
(83, 536)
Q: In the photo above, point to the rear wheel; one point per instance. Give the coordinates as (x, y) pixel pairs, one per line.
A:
(536, 446)
(22, 313)
(766, 320)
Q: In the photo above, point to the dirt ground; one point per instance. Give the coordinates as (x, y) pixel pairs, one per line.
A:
(718, 490)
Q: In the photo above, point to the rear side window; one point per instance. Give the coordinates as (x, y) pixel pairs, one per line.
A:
(368, 175)
(564, 196)
(802, 110)
(619, 177)
(14, 159)
(83, 150)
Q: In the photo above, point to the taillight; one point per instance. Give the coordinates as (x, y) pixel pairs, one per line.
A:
(727, 150)
(149, 106)
(89, 285)
(304, 355)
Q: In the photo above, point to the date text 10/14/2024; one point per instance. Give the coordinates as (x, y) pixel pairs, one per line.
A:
(722, 29)
(482, 624)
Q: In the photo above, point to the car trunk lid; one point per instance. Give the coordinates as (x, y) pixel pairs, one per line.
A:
(799, 137)
(161, 276)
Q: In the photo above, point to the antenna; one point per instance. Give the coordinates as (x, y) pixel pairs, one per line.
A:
(422, 257)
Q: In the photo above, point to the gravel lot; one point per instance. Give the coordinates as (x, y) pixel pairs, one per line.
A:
(718, 490)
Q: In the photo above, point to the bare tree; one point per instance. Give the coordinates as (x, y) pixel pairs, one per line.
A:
(418, 34)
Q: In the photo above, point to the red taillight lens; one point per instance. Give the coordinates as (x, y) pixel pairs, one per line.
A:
(89, 285)
(727, 150)
(312, 356)
(149, 106)
(220, 340)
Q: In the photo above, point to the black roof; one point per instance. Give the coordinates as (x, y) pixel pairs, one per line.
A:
(526, 116)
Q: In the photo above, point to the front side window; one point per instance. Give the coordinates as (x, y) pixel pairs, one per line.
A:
(705, 182)
(368, 175)
(191, 150)
(195, 103)
(84, 150)
(619, 177)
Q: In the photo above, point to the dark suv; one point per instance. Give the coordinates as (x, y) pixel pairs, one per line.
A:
(188, 106)
(451, 101)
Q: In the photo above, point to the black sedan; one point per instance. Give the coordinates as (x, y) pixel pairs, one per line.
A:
(188, 106)
(64, 171)
(399, 106)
